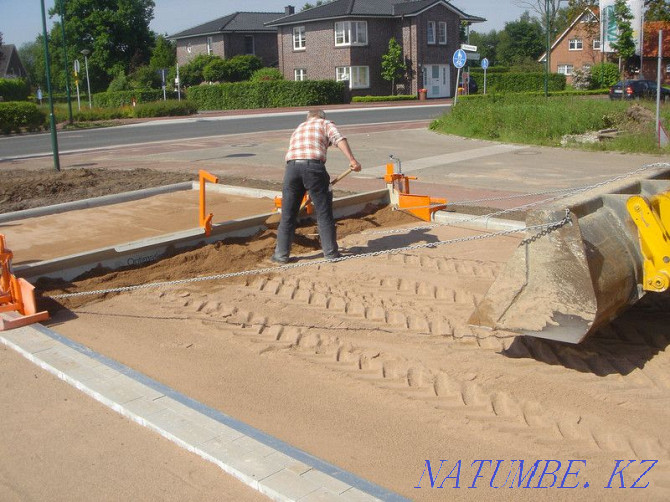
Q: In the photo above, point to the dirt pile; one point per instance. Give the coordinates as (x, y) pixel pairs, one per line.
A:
(229, 255)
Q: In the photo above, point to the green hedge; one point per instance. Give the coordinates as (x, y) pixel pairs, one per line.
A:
(125, 98)
(18, 116)
(368, 99)
(268, 94)
(170, 108)
(478, 70)
(519, 82)
(14, 89)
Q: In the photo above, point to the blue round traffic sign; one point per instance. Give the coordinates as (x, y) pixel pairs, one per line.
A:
(485, 63)
(459, 58)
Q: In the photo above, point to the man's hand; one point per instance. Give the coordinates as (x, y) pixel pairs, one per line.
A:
(355, 165)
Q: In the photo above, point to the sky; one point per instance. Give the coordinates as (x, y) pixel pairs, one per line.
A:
(21, 20)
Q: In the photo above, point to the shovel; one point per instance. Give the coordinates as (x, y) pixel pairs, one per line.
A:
(274, 219)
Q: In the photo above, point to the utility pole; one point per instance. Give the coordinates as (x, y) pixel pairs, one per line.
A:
(67, 70)
(52, 118)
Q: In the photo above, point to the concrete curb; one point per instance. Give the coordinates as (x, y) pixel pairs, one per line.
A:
(477, 222)
(105, 200)
(263, 462)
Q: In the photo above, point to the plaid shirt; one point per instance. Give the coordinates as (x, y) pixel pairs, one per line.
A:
(312, 138)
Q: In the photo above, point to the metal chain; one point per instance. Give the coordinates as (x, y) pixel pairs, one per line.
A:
(570, 193)
(311, 263)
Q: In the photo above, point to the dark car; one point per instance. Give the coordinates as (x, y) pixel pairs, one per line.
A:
(472, 85)
(636, 89)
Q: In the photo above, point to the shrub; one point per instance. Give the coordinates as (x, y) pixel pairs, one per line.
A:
(191, 73)
(19, 115)
(14, 89)
(604, 75)
(370, 99)
(119, 83)
(267, 94)
(164, 109)
(125, 98)
(581, 78)
(265, 74)
(521, 82)
(241, 68)
(216, 71)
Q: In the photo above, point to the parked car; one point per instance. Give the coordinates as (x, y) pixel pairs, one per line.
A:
(472, 85)
(636, 89)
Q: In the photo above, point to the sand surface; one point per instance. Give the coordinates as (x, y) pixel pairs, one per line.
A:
(370, 364)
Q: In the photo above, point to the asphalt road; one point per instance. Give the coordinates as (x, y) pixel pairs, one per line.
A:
(36, 145)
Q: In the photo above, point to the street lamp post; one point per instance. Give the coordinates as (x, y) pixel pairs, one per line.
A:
(548, 54)
(86, 52)
(67, 70)
(52, 117)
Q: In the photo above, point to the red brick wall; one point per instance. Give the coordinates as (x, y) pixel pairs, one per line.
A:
(227, 46)
(320, 56)
(561, 54)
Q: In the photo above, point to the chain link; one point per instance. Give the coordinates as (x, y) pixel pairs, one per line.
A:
(311, 263)
(545, 228)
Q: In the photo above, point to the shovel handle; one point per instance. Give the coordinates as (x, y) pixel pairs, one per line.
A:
(338, 178)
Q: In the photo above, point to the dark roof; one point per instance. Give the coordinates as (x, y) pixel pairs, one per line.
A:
(235, 22)
(8, 53)
(369, 8)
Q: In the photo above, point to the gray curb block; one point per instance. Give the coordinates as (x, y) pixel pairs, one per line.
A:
(263, 462)
(477, 222)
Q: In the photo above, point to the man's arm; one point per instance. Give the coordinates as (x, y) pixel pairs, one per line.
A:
(343, 145)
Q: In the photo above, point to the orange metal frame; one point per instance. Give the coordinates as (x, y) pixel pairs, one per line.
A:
(205, 221)
(421, 206)
(17, 296)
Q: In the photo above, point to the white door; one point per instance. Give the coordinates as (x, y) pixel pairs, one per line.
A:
(436, 80)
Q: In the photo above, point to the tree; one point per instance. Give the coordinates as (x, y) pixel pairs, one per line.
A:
(487, 44)
(164, 54)
(657, 10)
(116, 32)
(393, 64)
(521, 42)
(624, 44)
(318, 3)
(32, 57)
(0, 45)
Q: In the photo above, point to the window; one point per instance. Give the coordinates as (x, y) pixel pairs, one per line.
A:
(575, 44)
(209, 45)
(351, 33)
(300, 74)
(430, 34)
(249, 44)
(299, 38)
(358, 76)
(565, 69)
(442, 33)
(596, 44)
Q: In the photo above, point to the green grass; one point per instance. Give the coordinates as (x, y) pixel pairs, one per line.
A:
(544, 121)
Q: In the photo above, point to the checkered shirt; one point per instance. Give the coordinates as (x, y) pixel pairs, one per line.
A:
(312, 138)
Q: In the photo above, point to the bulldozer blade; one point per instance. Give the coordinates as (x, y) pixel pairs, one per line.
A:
(564, 284)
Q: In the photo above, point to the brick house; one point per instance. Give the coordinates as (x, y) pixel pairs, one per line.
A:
(231, 35)
(579, 46)
(10, 63)
(345, 40)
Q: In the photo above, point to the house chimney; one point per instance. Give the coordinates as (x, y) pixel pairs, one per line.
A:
(289, 9)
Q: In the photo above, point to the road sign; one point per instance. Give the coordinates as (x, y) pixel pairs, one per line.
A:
(76, 66)
(471, 48)
(485, 63)
(459, 58)
(473, 56)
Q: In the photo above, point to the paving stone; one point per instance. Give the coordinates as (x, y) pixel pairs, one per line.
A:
(290, 484)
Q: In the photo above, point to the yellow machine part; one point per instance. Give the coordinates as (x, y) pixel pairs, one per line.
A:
(653, 221)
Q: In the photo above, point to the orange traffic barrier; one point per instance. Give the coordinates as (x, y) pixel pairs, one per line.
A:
(17, 296)
(205, 221)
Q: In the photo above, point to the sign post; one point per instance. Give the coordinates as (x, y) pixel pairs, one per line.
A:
(485, 65)
(459, 58)
(76, 81)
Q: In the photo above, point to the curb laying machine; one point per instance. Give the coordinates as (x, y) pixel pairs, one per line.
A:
(562, 284)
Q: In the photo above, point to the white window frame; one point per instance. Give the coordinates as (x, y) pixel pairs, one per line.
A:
(565, 69)
(299, 38)
(358, 76)
(442, 33)
(299, 74)
(667, 68)
(575, 44)
(348, 33)
(430, 33)
(210, 43)
(596, 44)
